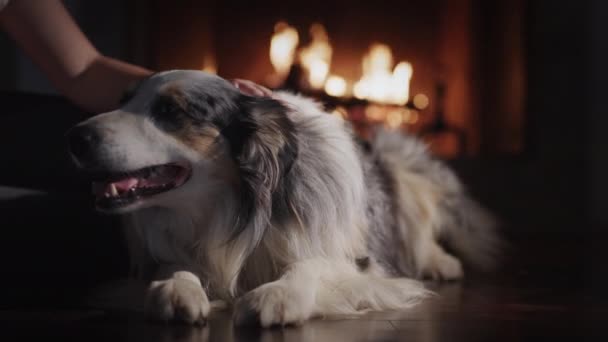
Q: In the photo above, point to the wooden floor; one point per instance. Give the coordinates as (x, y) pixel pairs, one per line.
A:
(550, 290)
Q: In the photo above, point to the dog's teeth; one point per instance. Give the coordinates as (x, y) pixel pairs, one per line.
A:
(113, 190)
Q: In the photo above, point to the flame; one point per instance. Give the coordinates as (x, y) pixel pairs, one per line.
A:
(394, 119)
(282, 48)
(378, 83)
(401, 83)
(316, 57)
(382, 82)
(335, 86)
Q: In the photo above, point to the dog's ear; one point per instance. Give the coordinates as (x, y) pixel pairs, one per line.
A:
(264, 145)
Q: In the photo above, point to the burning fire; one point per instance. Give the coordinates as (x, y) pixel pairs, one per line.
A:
(283, 47)
(378, 83)
(381, 82)
(316, 57)
(335, 86)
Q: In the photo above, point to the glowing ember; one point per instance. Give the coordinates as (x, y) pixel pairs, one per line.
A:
(282, 48)
(341, 112)
(375, 113)
(316, 57)
(335, 86)
(421, 101)
(394, 118)
(378, 83)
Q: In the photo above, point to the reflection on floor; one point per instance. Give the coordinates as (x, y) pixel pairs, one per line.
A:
(554, 292)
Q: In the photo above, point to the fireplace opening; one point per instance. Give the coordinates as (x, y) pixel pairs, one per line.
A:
(433, 68)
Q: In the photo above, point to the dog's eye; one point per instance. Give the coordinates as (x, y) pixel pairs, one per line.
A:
(166, 113)
(165, 107)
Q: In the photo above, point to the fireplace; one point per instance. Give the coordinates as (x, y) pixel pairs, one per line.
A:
(441, 69)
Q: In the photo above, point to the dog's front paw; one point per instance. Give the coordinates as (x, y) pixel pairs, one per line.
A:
(273, 304)
(177, 299)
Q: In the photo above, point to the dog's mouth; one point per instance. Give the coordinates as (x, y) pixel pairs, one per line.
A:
(113, 191)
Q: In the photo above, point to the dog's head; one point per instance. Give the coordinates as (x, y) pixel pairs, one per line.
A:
(180, 134)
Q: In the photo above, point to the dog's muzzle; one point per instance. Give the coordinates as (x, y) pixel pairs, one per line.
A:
(113, 185)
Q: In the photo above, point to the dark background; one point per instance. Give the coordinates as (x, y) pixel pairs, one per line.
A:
(556, 185)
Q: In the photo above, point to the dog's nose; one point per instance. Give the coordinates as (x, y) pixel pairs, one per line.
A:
(82, 140)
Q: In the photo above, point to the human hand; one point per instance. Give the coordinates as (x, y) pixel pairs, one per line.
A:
(251, 88)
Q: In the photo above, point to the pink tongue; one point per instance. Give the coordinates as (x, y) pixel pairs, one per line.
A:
(161, 176)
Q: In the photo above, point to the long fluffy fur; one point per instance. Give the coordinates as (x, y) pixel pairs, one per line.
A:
(313, 223)
(434, 206)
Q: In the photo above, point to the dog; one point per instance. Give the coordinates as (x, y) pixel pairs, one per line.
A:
(274, 206)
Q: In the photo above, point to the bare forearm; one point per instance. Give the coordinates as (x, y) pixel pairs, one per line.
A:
(101, 85)
(50, 37)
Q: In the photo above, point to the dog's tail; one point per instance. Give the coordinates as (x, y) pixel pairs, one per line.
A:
(433, 198)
